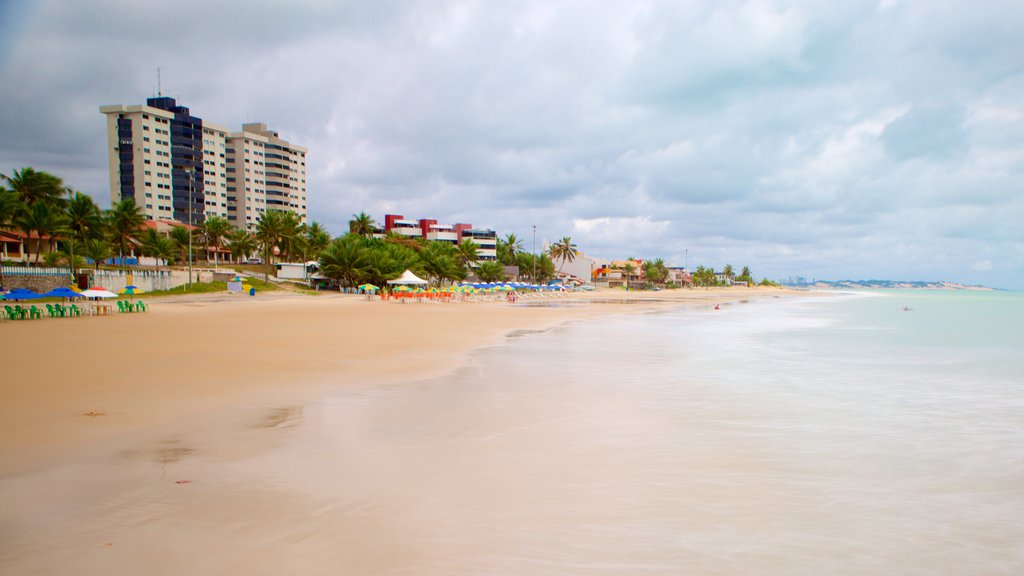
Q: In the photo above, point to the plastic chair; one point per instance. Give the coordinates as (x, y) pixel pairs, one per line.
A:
(140, 307)
(35, 312)
(74, 311)
(120, 306)
(49, 310)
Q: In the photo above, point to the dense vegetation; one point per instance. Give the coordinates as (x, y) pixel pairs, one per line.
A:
(64, 227)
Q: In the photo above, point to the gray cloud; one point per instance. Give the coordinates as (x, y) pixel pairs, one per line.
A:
(843, 140)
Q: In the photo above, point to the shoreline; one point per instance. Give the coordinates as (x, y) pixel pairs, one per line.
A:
(77, 387)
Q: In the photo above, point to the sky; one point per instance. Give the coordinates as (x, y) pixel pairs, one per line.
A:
(830, 140)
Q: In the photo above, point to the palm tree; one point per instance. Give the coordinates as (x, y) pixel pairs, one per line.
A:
(45, 220)
(70, 250)
(564, 251)
(438, 261)
(361, 224)
(344, 260)
(158, 246)
(181, 235)
(9, 206)
(292, 241)
(241, 244)
(545, 269)
(491, 272)
(97, 250)
(33, 187)
(124, 220)
(84, 217)
(655, 271)
(316, 238)
(215, 228)
(269, 232)
(728, 272)
(468, 252)
(508, 248)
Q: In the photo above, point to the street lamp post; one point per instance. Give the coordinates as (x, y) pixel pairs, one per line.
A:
(191, 176)
(533, 271)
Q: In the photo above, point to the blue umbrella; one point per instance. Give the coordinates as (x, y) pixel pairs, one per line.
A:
(62, 292)
(22, 294)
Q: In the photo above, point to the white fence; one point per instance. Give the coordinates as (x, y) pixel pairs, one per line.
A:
(147, 280)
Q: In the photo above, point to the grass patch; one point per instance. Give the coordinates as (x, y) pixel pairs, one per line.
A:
(211, 288)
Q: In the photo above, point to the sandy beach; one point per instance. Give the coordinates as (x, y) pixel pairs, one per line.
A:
(294, 433)
(76, 385)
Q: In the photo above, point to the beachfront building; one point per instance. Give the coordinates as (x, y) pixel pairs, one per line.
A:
(430, 229)
(264, 173)
(680, 276)
(168, 161)
(620, 273)
(581, 268)
(176, 166)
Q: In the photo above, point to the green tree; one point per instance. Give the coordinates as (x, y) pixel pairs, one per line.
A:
(158, 246)
(508, 249)
(439, 261)
(745, 276)
(346, 260)
(292, 241)
(468, 252)
(655, 271)
(316, 238)
(43, 219)
(10, 206)
(270, 231)
(361, 224)
(728, 272)
(563, 251)
(97, 250)
(124, 222)
(388, 261)
(241, 244)
(491, 272)
(214, 229)
(33, 187)
(70, 251)
(704, 276)
(84, 217)
(181, 236)
(545, 269)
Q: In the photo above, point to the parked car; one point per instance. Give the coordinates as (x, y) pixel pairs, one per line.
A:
(254, 261)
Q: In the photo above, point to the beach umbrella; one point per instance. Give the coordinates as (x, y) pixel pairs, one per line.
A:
(403, 288)
(22, 294)
(97, 292)
(131, 291)
(368, 287)
(62, 292)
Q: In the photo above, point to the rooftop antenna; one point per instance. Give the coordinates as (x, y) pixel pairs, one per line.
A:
(159, 91)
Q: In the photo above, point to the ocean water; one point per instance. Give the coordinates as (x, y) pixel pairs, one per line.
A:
(871, 433)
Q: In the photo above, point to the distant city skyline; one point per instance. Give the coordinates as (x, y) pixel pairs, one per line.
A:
(827, 140)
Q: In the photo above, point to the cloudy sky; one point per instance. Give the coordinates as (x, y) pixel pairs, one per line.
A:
(830, 140)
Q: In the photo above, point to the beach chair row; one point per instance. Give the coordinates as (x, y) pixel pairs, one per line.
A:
(124, 306)
(33, 312)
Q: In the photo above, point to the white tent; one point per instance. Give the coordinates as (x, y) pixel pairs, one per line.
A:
(408, 277)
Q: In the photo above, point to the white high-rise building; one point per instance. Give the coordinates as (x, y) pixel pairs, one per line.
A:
(264, 173)
(177, 167)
